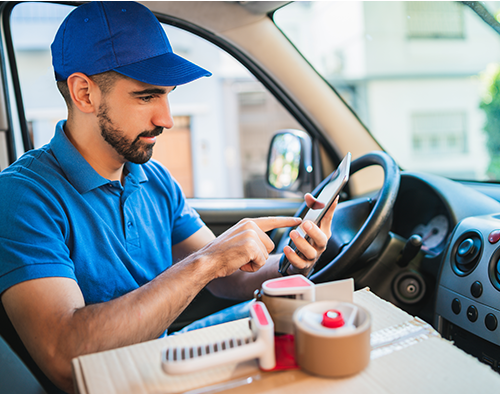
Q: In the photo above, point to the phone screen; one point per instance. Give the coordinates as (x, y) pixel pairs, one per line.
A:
(329, 193)
(327, 196)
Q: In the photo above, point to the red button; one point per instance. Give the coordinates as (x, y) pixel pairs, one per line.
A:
(494, 236)
(332, 319)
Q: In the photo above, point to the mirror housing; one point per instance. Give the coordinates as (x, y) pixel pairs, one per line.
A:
(290, 161)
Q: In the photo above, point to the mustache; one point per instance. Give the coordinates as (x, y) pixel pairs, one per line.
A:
(154, 132)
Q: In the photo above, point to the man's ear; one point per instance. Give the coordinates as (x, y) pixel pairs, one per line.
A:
(84, 92)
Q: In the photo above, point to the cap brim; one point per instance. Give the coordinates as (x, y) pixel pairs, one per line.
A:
(168, 69)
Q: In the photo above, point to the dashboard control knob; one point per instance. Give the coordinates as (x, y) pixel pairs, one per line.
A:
(476, 289)
(456, 306)
(472, 314)
(494, 236)
(467, 252)
(491, 322)
(466, 248)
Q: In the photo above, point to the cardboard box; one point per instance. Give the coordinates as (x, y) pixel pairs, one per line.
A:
(408, 356)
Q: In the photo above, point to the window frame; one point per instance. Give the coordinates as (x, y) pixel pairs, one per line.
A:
(254, 68)
(8, 58)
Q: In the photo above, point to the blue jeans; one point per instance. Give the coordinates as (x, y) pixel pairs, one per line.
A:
(233, 313)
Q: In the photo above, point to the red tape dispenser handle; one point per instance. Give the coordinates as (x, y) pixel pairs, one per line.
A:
(333, 319)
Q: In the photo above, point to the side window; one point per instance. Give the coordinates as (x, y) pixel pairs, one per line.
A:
(223, 124)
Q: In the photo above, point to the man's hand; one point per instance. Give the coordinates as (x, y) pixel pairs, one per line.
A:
(310, 252)
(246, 245)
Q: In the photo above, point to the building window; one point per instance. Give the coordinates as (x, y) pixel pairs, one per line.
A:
(439, 133)
(434, 20)
(173, 150)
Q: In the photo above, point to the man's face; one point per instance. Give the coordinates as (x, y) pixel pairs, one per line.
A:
(131, 116)
(136, 150)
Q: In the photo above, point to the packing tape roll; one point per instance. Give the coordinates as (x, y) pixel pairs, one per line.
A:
(332, 352)
(281, 310)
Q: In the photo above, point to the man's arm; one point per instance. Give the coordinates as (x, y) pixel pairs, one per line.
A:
(241, 284)
(55, 325)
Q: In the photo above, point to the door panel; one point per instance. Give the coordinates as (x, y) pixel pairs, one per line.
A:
(221, 214)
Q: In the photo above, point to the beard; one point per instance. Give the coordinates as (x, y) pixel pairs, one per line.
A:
(131, 150)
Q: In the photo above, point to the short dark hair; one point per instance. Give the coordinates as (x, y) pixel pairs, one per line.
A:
(105, 81)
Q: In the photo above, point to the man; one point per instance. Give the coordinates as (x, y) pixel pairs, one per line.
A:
(99, 248)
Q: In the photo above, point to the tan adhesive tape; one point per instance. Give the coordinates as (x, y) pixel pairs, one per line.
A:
(282, 310)
(327, 351)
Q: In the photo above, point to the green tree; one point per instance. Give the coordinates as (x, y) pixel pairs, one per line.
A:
(490, 104)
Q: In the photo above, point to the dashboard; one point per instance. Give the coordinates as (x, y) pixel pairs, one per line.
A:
(422, 211)
(459, 261)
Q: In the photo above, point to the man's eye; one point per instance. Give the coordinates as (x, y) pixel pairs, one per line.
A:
(146, 99)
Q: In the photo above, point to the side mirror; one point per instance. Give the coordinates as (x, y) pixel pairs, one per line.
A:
(289, 163)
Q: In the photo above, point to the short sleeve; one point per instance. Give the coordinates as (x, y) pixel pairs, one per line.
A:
(32, 233)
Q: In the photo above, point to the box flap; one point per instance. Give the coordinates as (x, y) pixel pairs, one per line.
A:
(430, 365)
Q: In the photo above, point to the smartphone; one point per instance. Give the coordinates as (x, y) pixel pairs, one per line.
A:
(327, 196)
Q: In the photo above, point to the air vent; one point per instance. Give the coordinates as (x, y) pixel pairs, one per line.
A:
(466, 253)
(494, 269)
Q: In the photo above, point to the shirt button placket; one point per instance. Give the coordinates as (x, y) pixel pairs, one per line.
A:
(130, 231)
(129, 208)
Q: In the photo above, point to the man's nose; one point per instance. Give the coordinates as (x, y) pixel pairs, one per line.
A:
(162, 115)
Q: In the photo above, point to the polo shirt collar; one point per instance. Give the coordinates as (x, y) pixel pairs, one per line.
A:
(78, 171)
(137, 171)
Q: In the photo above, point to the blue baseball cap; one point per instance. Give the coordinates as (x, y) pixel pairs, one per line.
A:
(119, 36)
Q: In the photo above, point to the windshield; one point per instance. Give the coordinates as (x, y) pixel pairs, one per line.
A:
(422, 76)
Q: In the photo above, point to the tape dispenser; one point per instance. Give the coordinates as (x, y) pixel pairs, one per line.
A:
(283, 296)
(332, 338)
(181, 359)
(331, 333)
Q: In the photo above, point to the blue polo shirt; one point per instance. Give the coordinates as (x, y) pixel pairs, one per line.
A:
(60, 218)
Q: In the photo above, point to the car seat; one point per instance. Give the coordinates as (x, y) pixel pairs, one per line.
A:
(18, 371)
(15, 377)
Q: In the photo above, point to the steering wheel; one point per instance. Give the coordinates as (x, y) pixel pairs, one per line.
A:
(356, 223)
